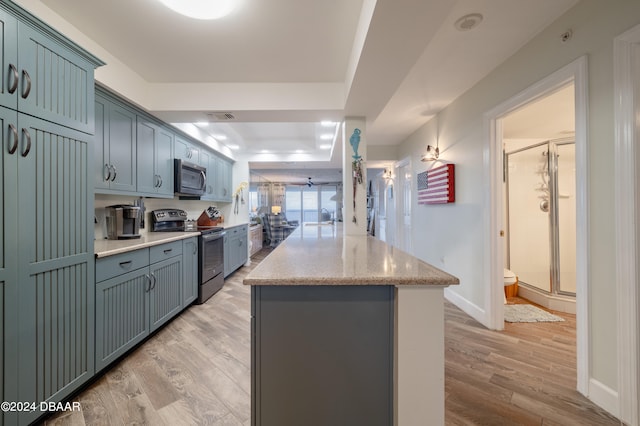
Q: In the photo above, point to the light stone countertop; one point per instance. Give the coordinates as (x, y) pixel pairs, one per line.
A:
(104, 248)
(321, 255)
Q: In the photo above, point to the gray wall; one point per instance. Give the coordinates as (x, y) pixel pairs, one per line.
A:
(453, 237)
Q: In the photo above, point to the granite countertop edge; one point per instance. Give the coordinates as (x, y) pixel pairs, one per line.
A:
(106, 248)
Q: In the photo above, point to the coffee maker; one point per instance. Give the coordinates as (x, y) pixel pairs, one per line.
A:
(123, 222)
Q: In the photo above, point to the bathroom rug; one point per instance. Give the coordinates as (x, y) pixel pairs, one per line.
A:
(528, 313)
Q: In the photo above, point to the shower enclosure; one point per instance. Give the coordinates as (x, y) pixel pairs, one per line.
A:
(541, 216)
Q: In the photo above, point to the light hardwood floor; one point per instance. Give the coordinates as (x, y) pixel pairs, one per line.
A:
(196, 370)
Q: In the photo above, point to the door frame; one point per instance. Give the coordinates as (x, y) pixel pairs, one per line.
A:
(627, 195)
(575, 72)
(399, 202)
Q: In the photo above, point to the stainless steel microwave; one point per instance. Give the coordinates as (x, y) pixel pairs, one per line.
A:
(189, 179)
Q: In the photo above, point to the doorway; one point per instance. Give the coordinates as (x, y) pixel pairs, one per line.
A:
(574, 74)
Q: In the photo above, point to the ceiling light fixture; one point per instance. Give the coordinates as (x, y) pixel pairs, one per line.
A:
(468, 22)
(325, 146)
(326, 136)
(201, 9)
(233, 146)
(327, 123)
(220, 137)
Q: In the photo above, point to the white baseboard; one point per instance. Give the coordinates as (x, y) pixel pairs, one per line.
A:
(466, 306)
(604, 397)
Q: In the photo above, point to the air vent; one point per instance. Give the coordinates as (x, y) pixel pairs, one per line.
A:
(221, 116)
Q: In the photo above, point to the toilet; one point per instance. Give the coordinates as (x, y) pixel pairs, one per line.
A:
(510, 284)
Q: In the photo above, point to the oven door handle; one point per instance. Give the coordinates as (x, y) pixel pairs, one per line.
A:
(213, 236)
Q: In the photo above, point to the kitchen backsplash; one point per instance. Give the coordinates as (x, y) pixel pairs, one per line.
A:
(192, 207)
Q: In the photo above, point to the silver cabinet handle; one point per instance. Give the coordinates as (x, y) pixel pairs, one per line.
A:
(161, 181)
(115, 173)
(25, 132)
(27, 90)
(14, 72)
(154, 281)
(155, 181)
(167, 251)
(147, 290)
(106, 170)
(14, 147)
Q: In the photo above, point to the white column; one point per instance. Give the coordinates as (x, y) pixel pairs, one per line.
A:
(354, 129)
(419, 356)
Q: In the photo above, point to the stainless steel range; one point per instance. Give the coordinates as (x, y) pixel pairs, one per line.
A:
(211, 262)
(210, 249)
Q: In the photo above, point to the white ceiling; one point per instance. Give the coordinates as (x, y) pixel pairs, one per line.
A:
(281, 66)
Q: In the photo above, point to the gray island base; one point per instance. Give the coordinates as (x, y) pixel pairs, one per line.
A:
(346, 331)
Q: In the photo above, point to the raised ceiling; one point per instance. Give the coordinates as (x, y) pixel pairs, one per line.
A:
(281, 66)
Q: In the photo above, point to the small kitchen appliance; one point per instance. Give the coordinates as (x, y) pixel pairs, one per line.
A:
(123, 222)
(190, 180)
(164, 220)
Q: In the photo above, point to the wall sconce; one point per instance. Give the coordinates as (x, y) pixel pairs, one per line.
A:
(276, 209)
(432, 153)
(387, 174)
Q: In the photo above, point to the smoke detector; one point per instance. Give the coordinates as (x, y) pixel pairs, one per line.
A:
(468, 22)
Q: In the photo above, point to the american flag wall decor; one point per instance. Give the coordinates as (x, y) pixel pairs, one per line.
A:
(437, 186)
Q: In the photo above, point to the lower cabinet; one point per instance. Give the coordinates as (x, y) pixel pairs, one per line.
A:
(190, 271)
(235, 248)
(136, 292)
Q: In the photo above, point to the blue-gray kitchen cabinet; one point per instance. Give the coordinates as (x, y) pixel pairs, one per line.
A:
(190, 271)
(45, 75)
(224, 190)
(154, 167)
(55, 261)
(136, 293)
(115, 146)
(47, 269)
(8, 260)
(235, 248)
(165, 297)
(185, 150)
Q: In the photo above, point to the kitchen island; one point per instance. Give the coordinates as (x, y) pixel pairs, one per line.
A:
(346, 330)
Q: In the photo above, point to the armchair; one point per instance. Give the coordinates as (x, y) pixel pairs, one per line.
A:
(276, 231)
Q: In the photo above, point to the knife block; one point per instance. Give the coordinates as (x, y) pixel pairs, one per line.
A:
(204, 220)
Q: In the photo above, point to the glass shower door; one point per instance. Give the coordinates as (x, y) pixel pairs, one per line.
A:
(566, 222)
(528, 206)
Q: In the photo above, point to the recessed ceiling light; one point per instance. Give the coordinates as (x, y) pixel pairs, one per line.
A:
(201, 9)
(327, 123)
(220, 137)
(264, 151)
(233, 146)
(468, 22)
(325, 146)
(202, 123)
(326, 136)
(299, 151)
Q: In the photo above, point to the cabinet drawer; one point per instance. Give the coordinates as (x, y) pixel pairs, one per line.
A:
(165, 251)
(118, 264)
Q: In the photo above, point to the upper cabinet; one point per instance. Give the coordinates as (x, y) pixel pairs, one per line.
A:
(44, 77)
(218, 177)
(186, 151)
(155, 160)
(134, 153)
(115, 147)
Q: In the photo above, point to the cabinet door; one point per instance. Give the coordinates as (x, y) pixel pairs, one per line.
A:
(56, 84)
(122, 148)
(207, 160)
(101, 169)
(55, 261)
(185, 151)
(9, 73)
(164, 161)
(190, 269)
(227, 255)
(122, 314)
(147, 179)
(8, 260)
(165, 297)
(223, 177)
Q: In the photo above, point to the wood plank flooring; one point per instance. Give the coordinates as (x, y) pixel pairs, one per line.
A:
(196, 370)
